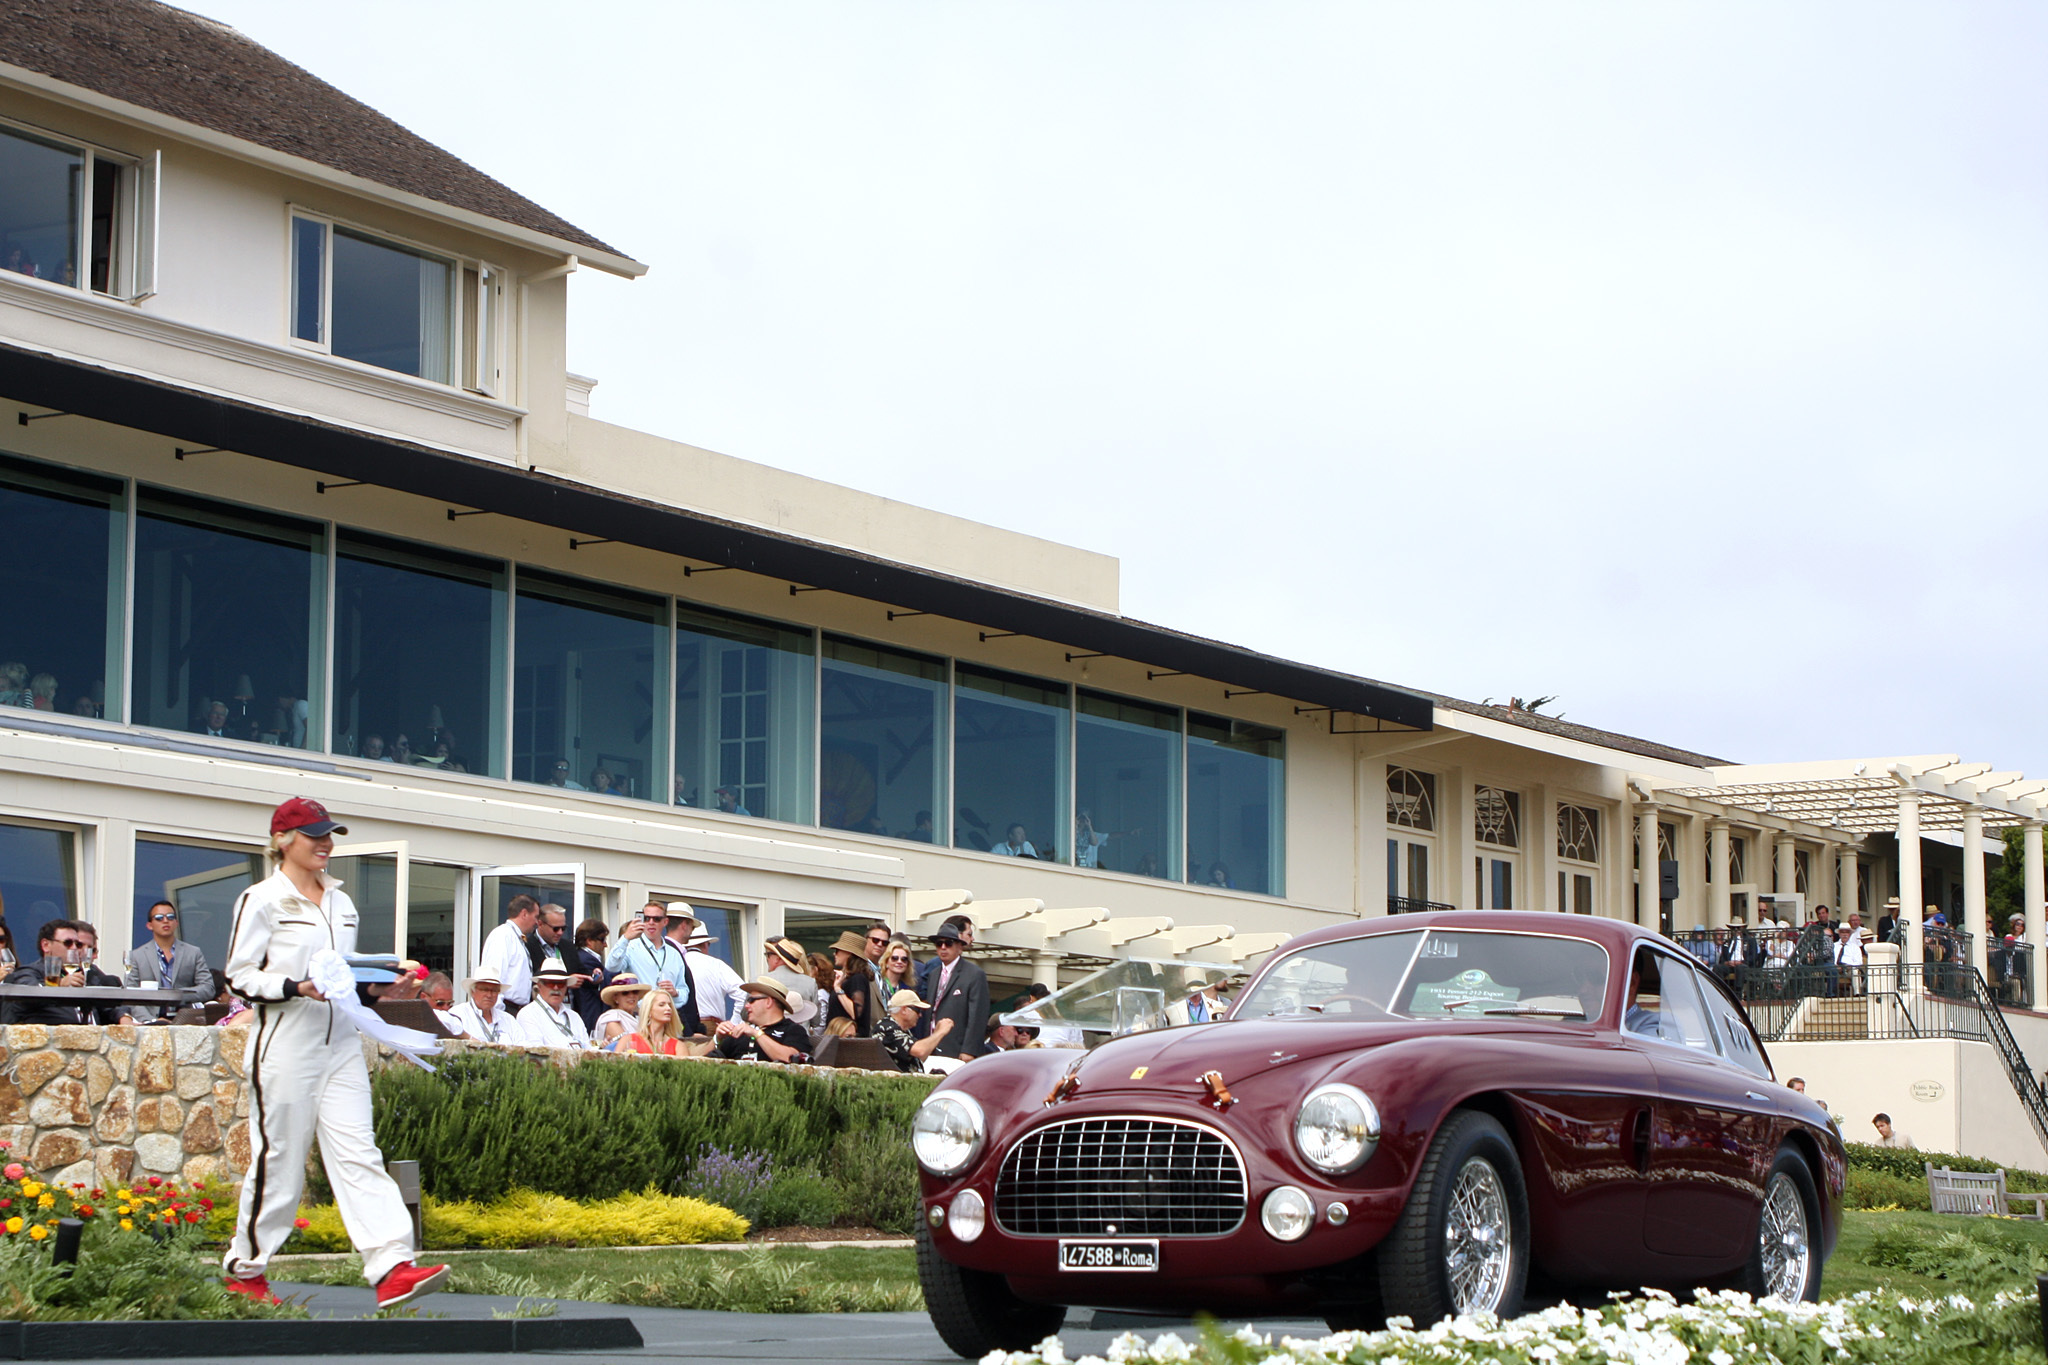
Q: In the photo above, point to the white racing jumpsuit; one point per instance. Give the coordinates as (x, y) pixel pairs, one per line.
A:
(306, 1078)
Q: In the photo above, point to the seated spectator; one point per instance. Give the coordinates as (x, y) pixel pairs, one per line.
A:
(482, 1016)
(166, 962)
(8, 961)
(894, 1031)
(14, 684)
(547, 1020)
(621, 1016)
(89, 957)
(42, 690)
(59, 961)
(1219, 875)
(1015, 844)
(438, 990)
(556, 774)
(920, 828)
(373, 749)
(1065, 1035)
(848, 1011)
(767, 1034)
(1000, 1037)
(786, 965)
(660, 1031)
(729, 801)
(215, 722)
(602, 783)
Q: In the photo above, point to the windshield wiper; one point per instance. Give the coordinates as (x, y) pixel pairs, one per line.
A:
(1547, 1011)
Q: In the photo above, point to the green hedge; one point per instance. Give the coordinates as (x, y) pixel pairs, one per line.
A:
(1912, 1165)
(484, 1123)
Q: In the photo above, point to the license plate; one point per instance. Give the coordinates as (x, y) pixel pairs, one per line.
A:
(1096, 1255)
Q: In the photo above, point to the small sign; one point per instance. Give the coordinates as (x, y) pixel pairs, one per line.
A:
(1927, 1092)
(1108, 1255)
(1139, 1074)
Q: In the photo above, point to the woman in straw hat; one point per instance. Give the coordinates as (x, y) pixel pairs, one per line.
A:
(622, 999)
(786, 965)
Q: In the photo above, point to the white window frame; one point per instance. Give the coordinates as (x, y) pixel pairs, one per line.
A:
(131, 277)
(476, 353)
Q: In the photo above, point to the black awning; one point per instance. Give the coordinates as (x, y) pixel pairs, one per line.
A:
(198, 419)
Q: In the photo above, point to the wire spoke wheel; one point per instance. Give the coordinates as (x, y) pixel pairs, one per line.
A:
(1478, 1241)
(1786, 1246)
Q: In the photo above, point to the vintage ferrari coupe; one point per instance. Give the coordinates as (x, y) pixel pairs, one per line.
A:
(1418, 1115)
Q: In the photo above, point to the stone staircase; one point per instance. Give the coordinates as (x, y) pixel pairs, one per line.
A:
(1824, 1019)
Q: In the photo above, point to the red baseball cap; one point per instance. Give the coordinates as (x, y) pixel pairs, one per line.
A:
(308, 817)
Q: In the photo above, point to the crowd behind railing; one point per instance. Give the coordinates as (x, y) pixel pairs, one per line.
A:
(1778, 960)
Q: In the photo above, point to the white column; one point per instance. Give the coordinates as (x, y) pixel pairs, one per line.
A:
(1845, 880)
(1909, 878)
(1646, 866)
(1762, 868)
(1788, 866)
(1717, 875)
(2037, 932)
(1973, 889)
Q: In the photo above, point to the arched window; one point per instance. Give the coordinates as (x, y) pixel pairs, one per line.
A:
(1497, 817)
(1578, 833)
(1411, 799)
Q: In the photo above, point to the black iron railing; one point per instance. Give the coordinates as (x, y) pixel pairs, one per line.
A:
(1917, 1000)
(1409, 905)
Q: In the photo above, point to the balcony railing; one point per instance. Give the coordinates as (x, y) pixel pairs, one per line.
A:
(1409, 905)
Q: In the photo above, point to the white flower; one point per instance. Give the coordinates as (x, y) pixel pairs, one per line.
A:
(1051, 1352)
(1719, 1357)
(1171, 1347)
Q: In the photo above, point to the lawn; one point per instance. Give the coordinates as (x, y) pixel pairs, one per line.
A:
(1848, 1270)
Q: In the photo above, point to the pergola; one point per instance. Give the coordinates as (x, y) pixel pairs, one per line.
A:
(1902, 798)
(1028, 930)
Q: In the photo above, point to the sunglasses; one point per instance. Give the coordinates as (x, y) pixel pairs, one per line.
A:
(163, 919)
(878, 938)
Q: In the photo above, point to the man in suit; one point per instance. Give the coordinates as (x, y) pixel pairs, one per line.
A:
(167, 962)
(958, 991)
(929, 968)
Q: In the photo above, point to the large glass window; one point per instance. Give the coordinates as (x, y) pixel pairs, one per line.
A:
(62, 640)
(202, 882)
(418, 635)
(1010, 766)
(228, 619)
(38, 881)
(1237, 782)
(745, 694)
(882, 737)
(69, 215)
(590, 662)
(1127, 784)
(374, 301)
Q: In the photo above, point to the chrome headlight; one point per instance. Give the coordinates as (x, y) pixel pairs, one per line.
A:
(1337, 1129)
(947, 1132)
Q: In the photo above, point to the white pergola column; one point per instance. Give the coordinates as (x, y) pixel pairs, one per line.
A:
(1764, 867)
(1973, 890)
(1646, 866)
(1788, 865)
(1717, 875)
(2037, 932)
(1845, 880)
(1909, 878)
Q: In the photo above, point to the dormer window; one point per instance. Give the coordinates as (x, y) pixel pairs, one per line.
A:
(395, 306)
(75, 215)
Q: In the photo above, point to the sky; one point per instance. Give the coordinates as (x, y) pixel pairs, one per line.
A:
(1682, 361)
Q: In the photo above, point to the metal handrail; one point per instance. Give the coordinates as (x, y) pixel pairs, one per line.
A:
(1411, 905)
(2024, 1082)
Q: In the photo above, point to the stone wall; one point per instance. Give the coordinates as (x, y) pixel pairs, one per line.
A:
(108, 1105)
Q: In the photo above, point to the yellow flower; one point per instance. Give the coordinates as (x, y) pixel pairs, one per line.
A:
(127, 1209)
(14, 1225)
(31, 1188)
(127, 1225)
(38, 1233)
(45, 1201)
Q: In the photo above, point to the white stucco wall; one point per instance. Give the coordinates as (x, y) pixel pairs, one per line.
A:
(1946, 1094)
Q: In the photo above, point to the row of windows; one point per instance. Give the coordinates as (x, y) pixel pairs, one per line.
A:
(1496, 815)
(81, 217)
(254, 626)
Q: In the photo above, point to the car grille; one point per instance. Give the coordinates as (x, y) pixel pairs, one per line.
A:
(1127, 1177)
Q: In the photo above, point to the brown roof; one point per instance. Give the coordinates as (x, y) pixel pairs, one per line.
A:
(1565, 729)
(207, 73)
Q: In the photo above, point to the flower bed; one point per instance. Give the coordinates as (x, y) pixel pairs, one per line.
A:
(1656, 1329)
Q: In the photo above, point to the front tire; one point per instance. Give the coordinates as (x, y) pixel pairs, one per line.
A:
(1784, 1261)
(974, 1310)
(1461, 1245)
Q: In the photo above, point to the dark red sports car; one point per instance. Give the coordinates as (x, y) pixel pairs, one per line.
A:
(1416, 1115)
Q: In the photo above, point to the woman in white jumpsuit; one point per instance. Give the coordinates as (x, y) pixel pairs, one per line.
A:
(305, 1071)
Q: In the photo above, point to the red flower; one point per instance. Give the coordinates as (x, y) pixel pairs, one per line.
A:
(206, 1204)
(156, 1181)
(195, 1216)
(6, 1203)
(83, 1210)
(302, 1223)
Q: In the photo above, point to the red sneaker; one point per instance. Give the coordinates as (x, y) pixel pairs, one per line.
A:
(255, 1287)
(409, 1282)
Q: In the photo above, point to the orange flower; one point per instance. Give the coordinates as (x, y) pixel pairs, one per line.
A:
(302, 1223)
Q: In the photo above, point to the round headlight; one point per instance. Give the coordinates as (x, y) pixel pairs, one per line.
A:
(1287, 1213)
(1337, 1129)
(968, 1217)
(947, 1132)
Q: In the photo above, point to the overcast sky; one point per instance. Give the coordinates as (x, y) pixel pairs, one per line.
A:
(1684, 361)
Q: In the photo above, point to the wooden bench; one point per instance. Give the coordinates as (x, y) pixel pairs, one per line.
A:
(1982, 1193)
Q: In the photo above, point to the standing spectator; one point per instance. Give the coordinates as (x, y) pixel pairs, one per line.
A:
(306, 1072)
(645, 951)
(1886, 1137)
(548, 1021)
(786, 965)
(1016, 844)
(822, 971)
(166, 962)
(895, 1029)
(961, 925)
(765, 1033)
(714, 985)
(548, 944)
(1739, 956)
(1848, 962)
(849, 1013)
(588, 952)
(506, 953)
(483, 1015)
(959, 991)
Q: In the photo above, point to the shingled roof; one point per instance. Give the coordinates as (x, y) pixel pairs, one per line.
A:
(206, 73)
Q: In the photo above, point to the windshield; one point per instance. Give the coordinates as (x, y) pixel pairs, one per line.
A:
(1127, 997)
(1436, 974)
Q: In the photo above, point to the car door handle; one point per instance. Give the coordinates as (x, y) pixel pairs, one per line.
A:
(1639, 1139)
(1761, 1099)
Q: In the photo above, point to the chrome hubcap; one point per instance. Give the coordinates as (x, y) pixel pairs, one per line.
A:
(1787, 1251)
(1477, 1239)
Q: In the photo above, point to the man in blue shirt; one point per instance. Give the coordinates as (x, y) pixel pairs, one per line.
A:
(645, 951)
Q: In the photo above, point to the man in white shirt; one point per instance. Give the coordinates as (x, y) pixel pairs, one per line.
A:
(716, 985)
(1849, 960)
(548, 1021)
(482, 1016)
(506, 954)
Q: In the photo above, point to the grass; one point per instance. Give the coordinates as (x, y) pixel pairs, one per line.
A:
(759, 1279)
(1849, 1270)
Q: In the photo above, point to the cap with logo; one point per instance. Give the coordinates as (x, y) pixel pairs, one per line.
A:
(306, 816)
